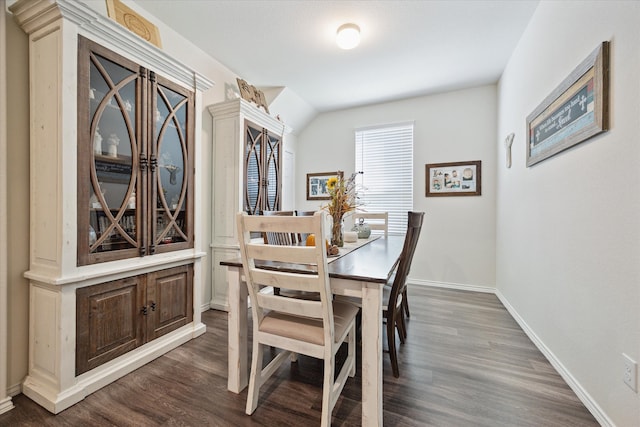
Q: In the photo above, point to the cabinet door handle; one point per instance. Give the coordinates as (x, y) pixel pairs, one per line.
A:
(153, 306)
(144, 310)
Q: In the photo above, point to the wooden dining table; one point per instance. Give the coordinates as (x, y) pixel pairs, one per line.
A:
(360, 273)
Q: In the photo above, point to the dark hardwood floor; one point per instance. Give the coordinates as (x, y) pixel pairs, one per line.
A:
(466, 363)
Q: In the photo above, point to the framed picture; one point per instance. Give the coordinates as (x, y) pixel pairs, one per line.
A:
(574, 112)
(317, 184)
(454, 179)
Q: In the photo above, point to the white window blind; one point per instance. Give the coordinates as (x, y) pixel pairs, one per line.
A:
(384, 155)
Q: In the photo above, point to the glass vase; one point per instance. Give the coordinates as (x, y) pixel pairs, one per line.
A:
(336, 233)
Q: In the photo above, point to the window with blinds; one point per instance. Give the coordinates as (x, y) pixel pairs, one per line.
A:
(384, 155)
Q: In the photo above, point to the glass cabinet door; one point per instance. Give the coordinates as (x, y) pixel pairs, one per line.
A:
(171, 223)
(253, 170)
(262, 161)
(272, 185)
(108, 156)
(135, 165)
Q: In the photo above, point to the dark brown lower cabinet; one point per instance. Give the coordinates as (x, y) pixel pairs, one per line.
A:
(114, 318)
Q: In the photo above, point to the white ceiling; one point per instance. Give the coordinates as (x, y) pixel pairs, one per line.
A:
(408, 48)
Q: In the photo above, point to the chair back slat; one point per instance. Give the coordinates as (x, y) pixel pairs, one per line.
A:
(276, 252)
(297, 307)
(280, 279)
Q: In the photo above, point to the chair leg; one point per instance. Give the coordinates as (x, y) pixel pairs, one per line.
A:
(391, 342)
(405, 303)
(351, 353)
(402, 326)
(255, 380)
(327, 392)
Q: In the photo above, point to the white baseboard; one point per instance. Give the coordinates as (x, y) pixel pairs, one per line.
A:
(219, 305)
(459, 286)
(577, 388)
(14, 390)
(5, 405)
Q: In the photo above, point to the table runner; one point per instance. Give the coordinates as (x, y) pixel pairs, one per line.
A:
(348, 247)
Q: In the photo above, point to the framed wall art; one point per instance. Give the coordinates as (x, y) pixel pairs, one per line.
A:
(454, 179)
(575, 111)
(317, 184)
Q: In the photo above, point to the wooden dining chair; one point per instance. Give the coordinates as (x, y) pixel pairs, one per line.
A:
(280, 238)
(393, 309)
(303, 236)
(375, 220)
(313, 328)
(380, 221)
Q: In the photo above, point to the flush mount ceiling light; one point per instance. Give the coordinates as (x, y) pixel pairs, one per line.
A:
(348, 36)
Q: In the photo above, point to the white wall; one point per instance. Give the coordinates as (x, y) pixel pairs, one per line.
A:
(457, 243)
(5, 401)
(568, 232)
(17, 69)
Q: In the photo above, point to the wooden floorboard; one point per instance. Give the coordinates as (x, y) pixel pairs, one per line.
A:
(466, 363)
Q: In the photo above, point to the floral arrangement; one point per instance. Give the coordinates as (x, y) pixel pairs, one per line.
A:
(343, 199)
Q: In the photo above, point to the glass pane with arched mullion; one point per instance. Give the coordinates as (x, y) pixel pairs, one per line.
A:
(273, 148)
(171, 179)
(253, 179)
(112, 195)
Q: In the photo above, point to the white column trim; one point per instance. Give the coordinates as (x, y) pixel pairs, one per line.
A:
(5, 399)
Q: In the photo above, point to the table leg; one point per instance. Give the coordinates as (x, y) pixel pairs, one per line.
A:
(237, 328)
(372, 354)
